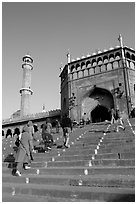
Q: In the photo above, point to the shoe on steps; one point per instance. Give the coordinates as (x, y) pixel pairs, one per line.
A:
(67, 146)
(27, 167)
(18, 173)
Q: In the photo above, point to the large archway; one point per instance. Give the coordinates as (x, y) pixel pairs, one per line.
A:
(96, 105)
(100, 114)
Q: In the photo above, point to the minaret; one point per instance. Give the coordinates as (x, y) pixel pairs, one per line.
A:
(121, 45)
(25, 91)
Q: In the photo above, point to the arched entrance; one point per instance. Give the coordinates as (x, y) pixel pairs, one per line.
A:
(100, 114)
(96, 105)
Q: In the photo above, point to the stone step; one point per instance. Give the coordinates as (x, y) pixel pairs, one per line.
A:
(76, 192)
(73, 163)
(87, 136)
(94, 170)
(90, 143)
(106, 140)
(103, 162)
(73, 177)
(41, 157)
(81, 180)
(104, 148)
(71, 153)
(34, 198)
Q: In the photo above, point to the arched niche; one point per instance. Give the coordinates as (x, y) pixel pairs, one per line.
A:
(83, 66)
(85, 72)
(132, 66)
(111, 58)
(78, 67)
(71, 76)
(72, 68)
(88, 64)
(105, 59)
(91, 71)
(16, 131)
(103, 68)
(94, 63)
(115, 65)
(109, 66)
(99, 61)
(97, 69)
(75, 75)
(117, 56)
(9, 133)
(128, 55)
(133, 57)
(35, 127)
(80, 74)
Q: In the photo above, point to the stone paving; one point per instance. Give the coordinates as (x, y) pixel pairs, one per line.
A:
(98, 166)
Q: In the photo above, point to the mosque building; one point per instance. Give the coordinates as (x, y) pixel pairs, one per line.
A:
(90, 87)
(94, 84)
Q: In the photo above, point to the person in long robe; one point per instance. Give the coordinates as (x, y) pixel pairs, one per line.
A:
(23, 158)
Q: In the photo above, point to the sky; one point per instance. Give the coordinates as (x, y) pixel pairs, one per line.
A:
(46, 30)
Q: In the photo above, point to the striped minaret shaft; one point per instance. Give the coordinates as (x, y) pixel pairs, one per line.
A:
(26, 91)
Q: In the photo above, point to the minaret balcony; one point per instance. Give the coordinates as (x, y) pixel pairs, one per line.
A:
(27, 64)
(26, 89)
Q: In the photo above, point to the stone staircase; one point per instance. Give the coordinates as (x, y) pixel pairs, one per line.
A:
(98, 167)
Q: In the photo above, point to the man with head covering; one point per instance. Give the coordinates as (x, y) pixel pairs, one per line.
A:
(23, 154)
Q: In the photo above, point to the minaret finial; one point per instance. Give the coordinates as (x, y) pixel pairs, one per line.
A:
(43, 108)
(120, 40)
(68, 56)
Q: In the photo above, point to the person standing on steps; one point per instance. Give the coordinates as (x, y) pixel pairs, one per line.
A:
(31, 132)
(57, 126)
(31, 129)
(47, 137)
(119, 120)
(23, 158)
(116, 120)
(112, 122)
(66, 125)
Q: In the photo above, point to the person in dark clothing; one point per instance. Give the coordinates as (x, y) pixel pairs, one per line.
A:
(57, 126)
(66, 125)
(132, 113)
(23, 157)
(47, 137)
